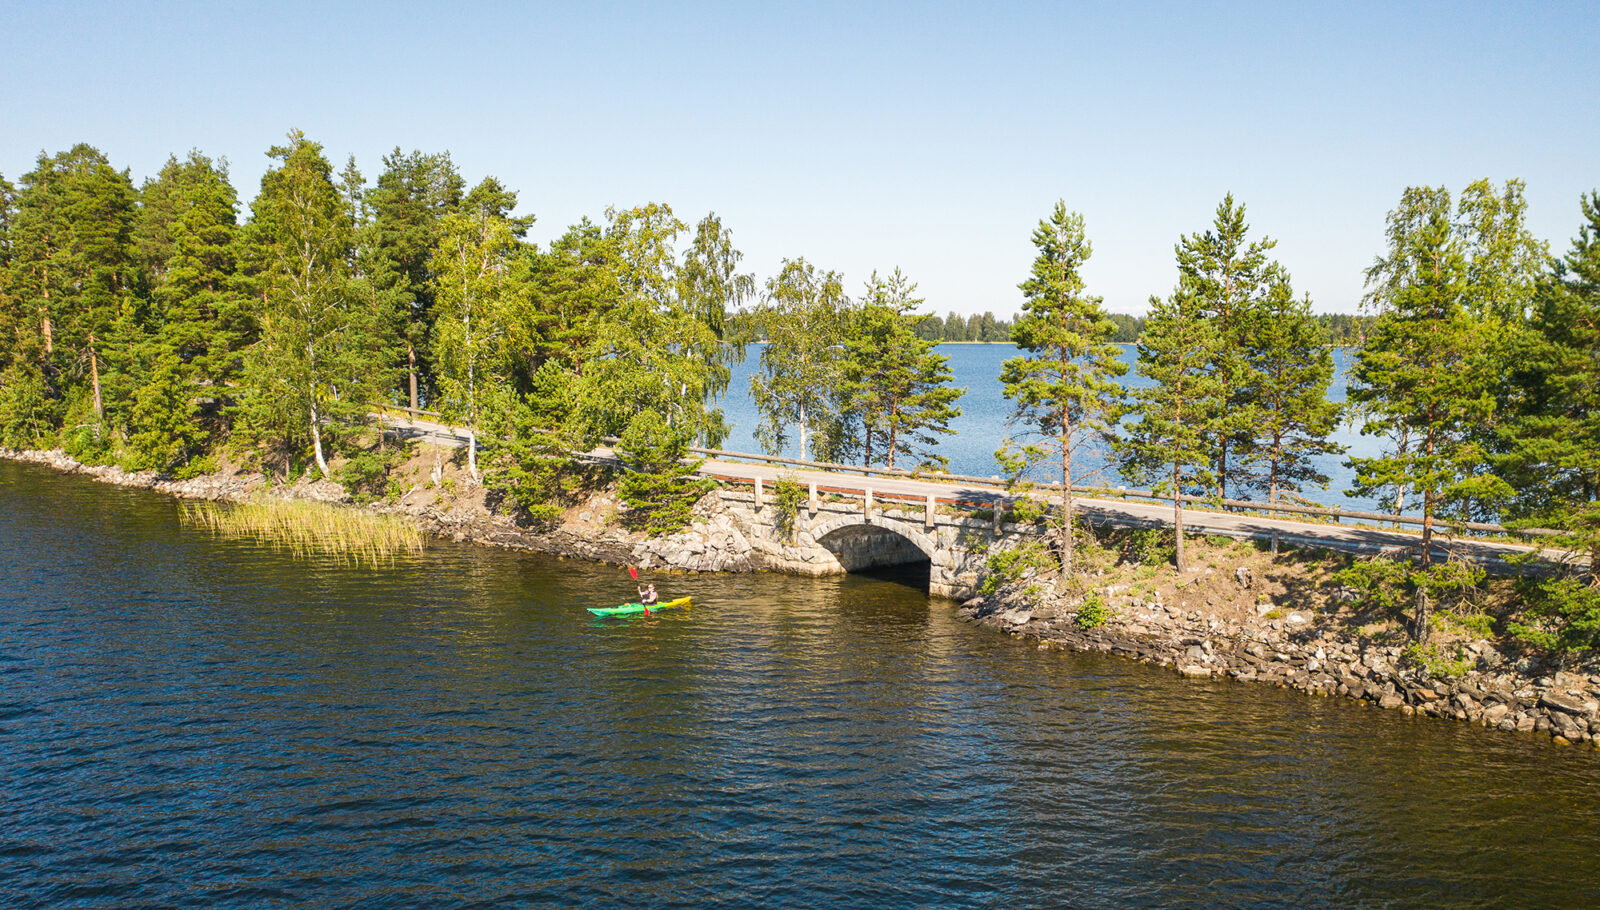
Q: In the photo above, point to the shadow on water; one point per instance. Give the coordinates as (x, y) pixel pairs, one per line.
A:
(913, 575)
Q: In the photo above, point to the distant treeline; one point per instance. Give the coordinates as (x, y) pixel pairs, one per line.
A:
(1343, 328)
(956, 327)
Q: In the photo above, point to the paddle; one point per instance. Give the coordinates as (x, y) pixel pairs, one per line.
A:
(634, 573)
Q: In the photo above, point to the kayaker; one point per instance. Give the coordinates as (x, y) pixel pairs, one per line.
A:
(648, 595)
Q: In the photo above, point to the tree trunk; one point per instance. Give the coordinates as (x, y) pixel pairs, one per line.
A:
(1419, 622)
(1272, 499)
(44, 322)
(316, 442)
(1177, 521)
(803, 440)
(411, 363)
(1222, 464)
(94, 378)
(1067, 542)
(472, 452)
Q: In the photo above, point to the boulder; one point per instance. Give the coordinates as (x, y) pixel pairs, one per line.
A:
(1566, 704)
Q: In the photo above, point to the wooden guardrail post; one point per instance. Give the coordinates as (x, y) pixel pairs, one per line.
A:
(811, 502)
(866, 503)
(758, 494)
(929, 512)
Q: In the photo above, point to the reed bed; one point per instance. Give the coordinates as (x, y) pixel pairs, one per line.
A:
(311, 528)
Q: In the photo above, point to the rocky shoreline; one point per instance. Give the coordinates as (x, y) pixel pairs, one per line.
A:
(713, 544)
(1302, 651)
(1265, 643)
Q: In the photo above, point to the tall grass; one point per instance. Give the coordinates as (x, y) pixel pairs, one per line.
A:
(311, 528)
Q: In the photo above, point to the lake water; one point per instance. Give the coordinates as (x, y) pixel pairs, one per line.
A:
(193, 722)
(985, 421)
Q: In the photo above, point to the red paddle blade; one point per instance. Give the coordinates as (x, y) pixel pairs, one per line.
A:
(633, 572)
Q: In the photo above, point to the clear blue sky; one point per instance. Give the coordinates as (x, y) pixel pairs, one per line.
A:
(862, 135)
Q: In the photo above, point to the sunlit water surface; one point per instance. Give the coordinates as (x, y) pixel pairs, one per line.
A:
(193, 722)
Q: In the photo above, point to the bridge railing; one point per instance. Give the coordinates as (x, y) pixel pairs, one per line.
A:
(1003, 492)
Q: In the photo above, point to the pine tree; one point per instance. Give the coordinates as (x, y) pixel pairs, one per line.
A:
(1417, 378)
(1289, 366)
(1065, 387)
(1551, 443)
(1228, 278)
(1171, 445)
(411, 197)
(187, 239)
(73, 265)
(659, 486)
(897, 386)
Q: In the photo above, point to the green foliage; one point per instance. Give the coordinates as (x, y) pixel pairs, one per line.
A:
(1550, 447)
(1009, 563)
(1093, 612)
(195, 467)
(1170, 445)
(1145, 546)
(166, 431)
(985, 327)
(28, 415)
(800, 388)
(1227, 280)
(320, 354)
(473, 291)
(658, 487)
(411, 197)
(1423, 380)
(1435, 661)
(1559, 614)
(1478, 625)
(85, 437)
(1381, 584)
(1288, 366)
(366, 475)
(1387, 585)
(1065, 386)
(895, 384)
(788, 496)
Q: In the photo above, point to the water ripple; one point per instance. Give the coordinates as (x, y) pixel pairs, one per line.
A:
(193, 722)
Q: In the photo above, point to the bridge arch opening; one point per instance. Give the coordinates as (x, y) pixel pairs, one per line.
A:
(899, 554)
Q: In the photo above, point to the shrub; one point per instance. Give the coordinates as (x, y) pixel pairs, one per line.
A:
(365, 476)
(1560, 615)
(1435, 661)
(1007, 564)
(788, 495)
(1147, 546)
(1093, 612)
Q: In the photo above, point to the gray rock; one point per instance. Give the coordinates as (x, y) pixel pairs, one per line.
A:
(1568, 705)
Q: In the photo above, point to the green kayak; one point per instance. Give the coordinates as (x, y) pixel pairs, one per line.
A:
(630, 609)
